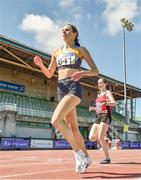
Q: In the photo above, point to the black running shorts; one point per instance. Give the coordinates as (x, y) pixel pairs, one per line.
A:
(103, 117)
(68, 86)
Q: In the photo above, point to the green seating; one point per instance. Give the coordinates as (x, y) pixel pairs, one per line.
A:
(118, 117)
(29, 106)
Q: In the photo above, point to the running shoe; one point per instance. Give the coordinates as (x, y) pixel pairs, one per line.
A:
(80, 162)
(105, 161)
(88, 161)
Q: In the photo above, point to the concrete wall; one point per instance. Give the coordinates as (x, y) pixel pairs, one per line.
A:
(8, 123)
(33, 132)
(9, 128)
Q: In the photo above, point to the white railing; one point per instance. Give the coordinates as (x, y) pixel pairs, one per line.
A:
(4, 106)
(37, 113)
(33, 112)
(85, 119)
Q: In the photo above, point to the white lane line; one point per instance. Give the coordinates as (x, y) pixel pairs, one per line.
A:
(30, 158)
(34, 163)
(19, 159)
(40, 161)
(64, 159)
(35, 173)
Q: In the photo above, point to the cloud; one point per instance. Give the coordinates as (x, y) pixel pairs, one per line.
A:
(76, 13)
(66, 3)
(72, 9)
(47, 32)
(117, 9)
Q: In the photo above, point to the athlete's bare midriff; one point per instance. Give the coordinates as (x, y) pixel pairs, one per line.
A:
(66, 73)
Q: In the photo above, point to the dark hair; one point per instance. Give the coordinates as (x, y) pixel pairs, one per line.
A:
(76, 40)
(105, 82)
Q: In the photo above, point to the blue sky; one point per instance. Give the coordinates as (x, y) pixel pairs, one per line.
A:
(38, 23)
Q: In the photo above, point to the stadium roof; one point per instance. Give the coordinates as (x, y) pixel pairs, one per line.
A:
(18, 56)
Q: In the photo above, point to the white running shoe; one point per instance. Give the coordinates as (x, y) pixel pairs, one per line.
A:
(88, 161)
(80, 161)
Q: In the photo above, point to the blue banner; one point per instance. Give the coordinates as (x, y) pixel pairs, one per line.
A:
(130, 145)
(125, 144)
(91, 145)
(14, 143)
(135, 145)
(11, 86)
(61, 144)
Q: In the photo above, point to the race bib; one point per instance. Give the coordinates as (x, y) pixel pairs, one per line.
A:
(98, 107)
(66, 60)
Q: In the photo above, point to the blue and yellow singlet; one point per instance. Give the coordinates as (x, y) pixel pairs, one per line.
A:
(69, 59)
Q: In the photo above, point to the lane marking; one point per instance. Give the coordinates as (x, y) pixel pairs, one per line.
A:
(34, 173)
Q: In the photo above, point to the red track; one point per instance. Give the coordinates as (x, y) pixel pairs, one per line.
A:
(60, 164)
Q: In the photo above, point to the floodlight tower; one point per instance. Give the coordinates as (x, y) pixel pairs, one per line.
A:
(126, 25)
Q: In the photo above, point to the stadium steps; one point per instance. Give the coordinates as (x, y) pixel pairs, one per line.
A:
(83, 111)
(118, 117)
(29, 106)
